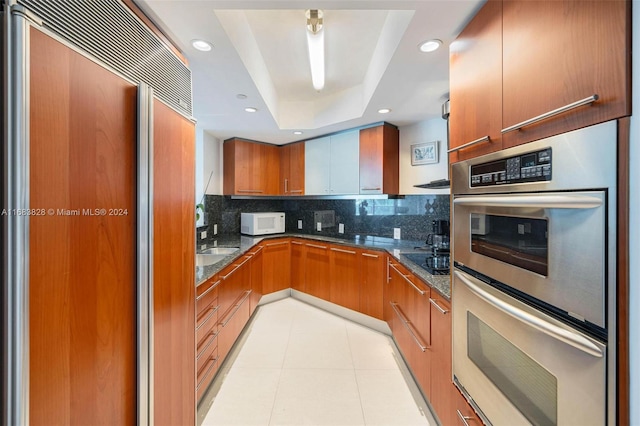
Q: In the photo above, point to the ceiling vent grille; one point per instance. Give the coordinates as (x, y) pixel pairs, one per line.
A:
(109, 31)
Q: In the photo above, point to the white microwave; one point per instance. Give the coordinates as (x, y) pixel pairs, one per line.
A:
(262, 223)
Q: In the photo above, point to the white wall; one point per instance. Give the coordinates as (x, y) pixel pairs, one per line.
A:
(424, 131)
(208, 167)
(634, 214)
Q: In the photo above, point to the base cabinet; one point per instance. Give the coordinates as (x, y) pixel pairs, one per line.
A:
(276, 271)
(441, 378)
(207, 308)
(298, 258)
(232, 323)
(372, 279)
(316, 279)
(344, 277)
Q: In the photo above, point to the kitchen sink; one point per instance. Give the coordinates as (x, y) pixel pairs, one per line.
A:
(220, 250)
(208, 259)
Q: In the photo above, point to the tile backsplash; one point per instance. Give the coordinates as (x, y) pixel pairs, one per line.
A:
(360, 216)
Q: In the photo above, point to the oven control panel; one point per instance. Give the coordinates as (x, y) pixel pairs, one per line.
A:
(530, 167)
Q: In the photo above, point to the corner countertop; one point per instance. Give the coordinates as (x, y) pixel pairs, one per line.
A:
(395, 248)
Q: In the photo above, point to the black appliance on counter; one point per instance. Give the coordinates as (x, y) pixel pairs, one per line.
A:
(436, 261)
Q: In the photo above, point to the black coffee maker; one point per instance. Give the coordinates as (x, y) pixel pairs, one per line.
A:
(438, 240)
(439, 236)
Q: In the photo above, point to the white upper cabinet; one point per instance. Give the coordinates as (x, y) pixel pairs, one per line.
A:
(332, 164)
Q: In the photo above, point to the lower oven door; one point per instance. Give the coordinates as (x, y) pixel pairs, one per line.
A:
(520, 366)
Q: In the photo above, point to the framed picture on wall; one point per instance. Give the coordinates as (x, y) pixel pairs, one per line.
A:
(424, 153)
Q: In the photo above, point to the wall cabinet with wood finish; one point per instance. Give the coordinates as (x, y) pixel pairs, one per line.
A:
(292, 169)
(379, 160)
(250, 168)
(539, 69)
(558, 53)
(475, 74)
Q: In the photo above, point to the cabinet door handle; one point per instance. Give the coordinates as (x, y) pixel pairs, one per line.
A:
(464, 418)
(422, 292)
(224, 277)
(423, 348)
(257, 251)
(342, 251)
(251, 191)
(438, 307)
(468, 144)
(213, 362)
(286, 186)
(236, 307)
(210, 340)
(316, 246)
(370, 255)
(370, 189)
(277, 244)
(208, 290)
(204, 321)
(296, 191)
(586, 101)
(296, 243)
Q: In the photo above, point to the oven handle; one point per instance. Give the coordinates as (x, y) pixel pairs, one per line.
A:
(540, 201)
(552, 330)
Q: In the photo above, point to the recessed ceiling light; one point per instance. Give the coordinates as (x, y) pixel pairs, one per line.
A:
(201, 45)
(384, 110)
(241, 96)
(251, 109)
(430, 45)
(297, 132)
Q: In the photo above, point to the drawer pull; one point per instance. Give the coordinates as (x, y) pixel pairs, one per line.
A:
(204, 321)
(208, 290)
(286, 186)
(210, 341)
(370, 189)
(370, 255)
(422, 292)
(464, 418)
(438, 307)
(256, 252)
(296, 243)
(296, 191)
(343, 251)
(317, 246)
(247, 293)
(213, 362)
(586, 101)
(277, 244)
(468, 144)
(251, 191)
(423, 348)
(224, 277)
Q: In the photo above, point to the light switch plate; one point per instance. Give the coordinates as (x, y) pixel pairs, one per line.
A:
(215, 229)
(319, 226)
(396, 233)
(341, 228)
(203, 235)
(299, 224)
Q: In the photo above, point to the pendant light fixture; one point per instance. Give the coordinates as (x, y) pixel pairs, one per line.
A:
(315, 43)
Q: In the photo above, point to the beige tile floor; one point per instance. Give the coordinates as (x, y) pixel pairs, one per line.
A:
(299, 365)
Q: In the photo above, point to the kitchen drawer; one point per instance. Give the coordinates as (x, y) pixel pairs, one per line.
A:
(206, 348)
(206, 374)
(232, 323)
(207, 321)
(206, 294)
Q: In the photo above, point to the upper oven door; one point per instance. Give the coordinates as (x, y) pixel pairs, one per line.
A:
(551, 246)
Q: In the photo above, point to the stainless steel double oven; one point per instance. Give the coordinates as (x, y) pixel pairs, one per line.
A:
(534, 254)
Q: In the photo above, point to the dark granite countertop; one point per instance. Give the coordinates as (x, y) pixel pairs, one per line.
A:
(395, 248)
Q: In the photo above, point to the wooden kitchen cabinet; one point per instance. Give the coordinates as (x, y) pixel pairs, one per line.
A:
(232, 323)
(372, 281)
(207, 308)
(292, 169)
(344, 277)
(257, 267)
(276, 270)
(463, 414)
(317, 276)
(558, 52)
(475, 74)
(410, 323)
(250, 168)
(379, 160)
(441, 378)
(298, 260)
